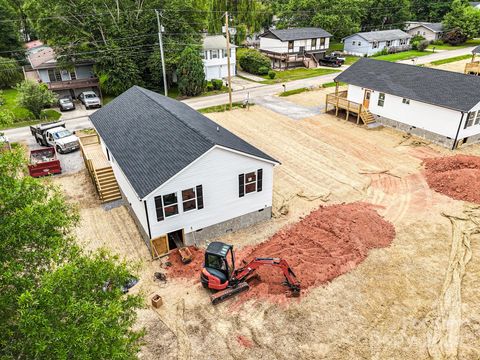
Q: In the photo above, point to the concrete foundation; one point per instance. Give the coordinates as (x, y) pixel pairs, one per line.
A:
(209, 233)
(424, 134)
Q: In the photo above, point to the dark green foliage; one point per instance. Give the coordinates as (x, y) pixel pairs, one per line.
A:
(422, 45)
(415, 41)
(428, 10)
(191, 76)
(34, 97)
(272, 74)
(455, 37)
(10, 72)
(217, 84)
(209, 87)
(252, 61)
(463, 18)
(263, 70)
(9, 30)
(385, 14)
(52, 302)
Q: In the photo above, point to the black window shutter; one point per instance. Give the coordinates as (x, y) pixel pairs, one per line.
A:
(199, 197)
(159, 207)
(259, 179)
(241, 185)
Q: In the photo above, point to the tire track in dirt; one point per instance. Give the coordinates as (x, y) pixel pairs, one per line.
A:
(443, 338)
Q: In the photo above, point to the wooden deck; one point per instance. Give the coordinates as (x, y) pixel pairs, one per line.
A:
(473, 68)
(99, 168)
(339, 101)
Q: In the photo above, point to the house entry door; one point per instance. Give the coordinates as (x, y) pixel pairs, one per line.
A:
(366, 99)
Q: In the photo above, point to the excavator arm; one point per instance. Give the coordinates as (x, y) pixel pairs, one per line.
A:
(290, 279)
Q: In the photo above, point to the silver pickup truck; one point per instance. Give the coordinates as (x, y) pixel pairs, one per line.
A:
(55, 134)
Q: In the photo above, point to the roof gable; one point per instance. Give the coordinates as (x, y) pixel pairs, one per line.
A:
(437, 87)
(435, 27)
(297, 33)
(153, 137)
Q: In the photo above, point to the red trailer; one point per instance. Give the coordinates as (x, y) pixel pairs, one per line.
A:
(44, 162)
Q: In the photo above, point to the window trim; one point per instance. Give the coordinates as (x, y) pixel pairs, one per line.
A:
(470, 119)
(381, 99)
(322, 42)
(242, 182)
(313, 43)
(165, 206)
(291, 46)
(189, 200)
(477, 118)
(214, 51)
(406, 101)
(251, 182)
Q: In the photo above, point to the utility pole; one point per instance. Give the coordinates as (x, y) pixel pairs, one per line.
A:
(160, 43)
(228, 61)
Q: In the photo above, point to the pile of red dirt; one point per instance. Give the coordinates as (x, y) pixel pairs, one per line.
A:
(456, 176)
(177, 269)
(330, 241)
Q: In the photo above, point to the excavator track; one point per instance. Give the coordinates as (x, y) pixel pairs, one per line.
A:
(223, 295)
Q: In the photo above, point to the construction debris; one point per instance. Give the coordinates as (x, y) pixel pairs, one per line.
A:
(185, 255)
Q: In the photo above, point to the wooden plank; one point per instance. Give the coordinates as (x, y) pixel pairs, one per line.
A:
(159, 246)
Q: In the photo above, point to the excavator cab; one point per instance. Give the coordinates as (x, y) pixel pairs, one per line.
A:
(218, 267)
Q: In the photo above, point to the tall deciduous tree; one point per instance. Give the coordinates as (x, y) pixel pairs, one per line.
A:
(9, 29)
(463, 17)
(428, 10)
(191, 76)
(10, 72)
(34, 97)
(385, 14)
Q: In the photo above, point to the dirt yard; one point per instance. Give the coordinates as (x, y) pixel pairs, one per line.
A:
(456, 66)
(415, 299)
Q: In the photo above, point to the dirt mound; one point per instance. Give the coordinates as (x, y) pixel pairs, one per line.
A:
(329, 242)
(186, 271)
(456, 176)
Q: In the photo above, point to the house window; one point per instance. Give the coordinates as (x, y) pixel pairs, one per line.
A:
(470, 119)
(250, 182)
(314, 43)
(477, 119)
(381, 99)
(214, 54)
(359, 43)
(290, 46)
(73, 75)
(192, 198)
(202, 54)
(224, 55)
(170, 204)
(322, 42)
(353, 42)
(389, 42)
(54, 75)
(406, 101)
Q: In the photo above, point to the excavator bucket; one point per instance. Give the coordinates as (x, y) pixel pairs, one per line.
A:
(223, 295)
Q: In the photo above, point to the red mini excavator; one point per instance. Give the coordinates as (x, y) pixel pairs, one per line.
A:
(219, 272)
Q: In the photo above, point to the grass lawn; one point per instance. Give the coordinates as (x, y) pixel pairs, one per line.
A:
(335, 46)
(293, 92)
(296, 74)
(222, 108)
(24, 117)
(404, 55)
(452, 59)
(349, 60)
(332, 84)
(473, 42)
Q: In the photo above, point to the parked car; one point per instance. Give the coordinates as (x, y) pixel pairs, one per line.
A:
(55, 134)
(66, 104)
(44, 162)
(339, 56)
(330, 61)
(90, 99)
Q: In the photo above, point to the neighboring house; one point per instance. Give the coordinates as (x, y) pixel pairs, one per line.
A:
(430, 31)
(370, 43)
(475, 4)
(295, 47)
(214, 56)
(185, 178)
(439, 105)
(65, 82)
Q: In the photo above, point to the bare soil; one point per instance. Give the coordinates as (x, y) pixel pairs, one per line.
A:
(409, 300)
(456, 66)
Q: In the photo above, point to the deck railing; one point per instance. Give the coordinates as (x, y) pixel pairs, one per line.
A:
(339, 101)
(473, 68)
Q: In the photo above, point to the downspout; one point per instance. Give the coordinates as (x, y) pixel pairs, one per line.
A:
(148, 221)
(458, 131)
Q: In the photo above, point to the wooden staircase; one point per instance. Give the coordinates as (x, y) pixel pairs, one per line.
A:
(367, 117)
(106, 184)
(310, 61)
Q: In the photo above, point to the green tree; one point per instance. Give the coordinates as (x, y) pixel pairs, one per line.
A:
(9, 33)
(6, 119)
(191, 76)
(464, 17)
(341, 18)
(10, 72)
(386, 14)
(428, 10)
(80, 312)
(34, 97)
(52, 299)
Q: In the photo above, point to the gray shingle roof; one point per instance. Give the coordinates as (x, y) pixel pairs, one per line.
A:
(437, 87)
(299, 33)
(476, 50)
(435, 27)
(215, 42)
(153, 137)
(382, 35)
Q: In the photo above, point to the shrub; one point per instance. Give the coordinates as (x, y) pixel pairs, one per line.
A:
(252, 61)
(217, 84)
(417, 39)
(455, 37)
(2, 99)
(381, 52)
(272, 74)
(34, 97)
(263, 70)
(209, 87)
(422, 45)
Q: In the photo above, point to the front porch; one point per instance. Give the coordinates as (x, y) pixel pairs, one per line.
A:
(339, 101)
(282, 61)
